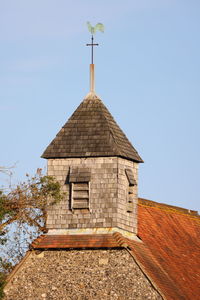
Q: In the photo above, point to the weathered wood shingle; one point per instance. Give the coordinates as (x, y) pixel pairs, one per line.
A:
(91, 132)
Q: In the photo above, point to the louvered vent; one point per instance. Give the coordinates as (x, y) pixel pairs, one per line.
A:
(130, 195)
(80, 187)
(80, 195)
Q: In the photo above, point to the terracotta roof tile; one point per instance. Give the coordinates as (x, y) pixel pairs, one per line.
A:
(75, 241)
(172, 236)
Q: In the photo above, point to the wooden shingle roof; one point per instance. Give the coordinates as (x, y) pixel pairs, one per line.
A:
(91, 132)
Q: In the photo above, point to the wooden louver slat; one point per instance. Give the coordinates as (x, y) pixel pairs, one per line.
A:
(80, 195)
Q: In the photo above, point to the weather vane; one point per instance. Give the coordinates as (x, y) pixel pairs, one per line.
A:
(92, 30)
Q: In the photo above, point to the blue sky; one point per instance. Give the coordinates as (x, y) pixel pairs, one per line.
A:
(147, 74)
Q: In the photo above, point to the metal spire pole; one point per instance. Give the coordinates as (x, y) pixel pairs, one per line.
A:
(92, 64)
(92, 30)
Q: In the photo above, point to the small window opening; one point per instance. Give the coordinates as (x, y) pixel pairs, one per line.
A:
(130, 191)
(79, 179)
(80, 195)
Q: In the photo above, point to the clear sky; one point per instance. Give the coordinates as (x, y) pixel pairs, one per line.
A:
(147, 74)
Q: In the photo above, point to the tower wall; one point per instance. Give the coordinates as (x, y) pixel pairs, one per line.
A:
(108, 195)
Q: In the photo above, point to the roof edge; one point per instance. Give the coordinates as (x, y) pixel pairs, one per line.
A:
(16, 269)
(87, 156)
(168, 207)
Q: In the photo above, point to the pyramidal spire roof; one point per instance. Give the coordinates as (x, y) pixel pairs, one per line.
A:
(91, 132)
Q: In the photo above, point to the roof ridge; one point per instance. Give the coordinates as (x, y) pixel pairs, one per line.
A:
(113, 134)
(141, 250)
(132, 247)
(104, 112)
(169, 208)
(109, 127)
(109, 119)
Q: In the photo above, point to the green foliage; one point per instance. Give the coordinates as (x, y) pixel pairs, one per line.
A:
(5, 269)
(2, 284)
(51, 188)
(4, 210)
(23, 213)
(29, 200)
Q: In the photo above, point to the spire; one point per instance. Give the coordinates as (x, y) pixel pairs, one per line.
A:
(91, 131)
(92, 30)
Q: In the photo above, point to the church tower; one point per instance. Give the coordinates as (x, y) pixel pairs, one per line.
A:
(92, 249)
(97, 168)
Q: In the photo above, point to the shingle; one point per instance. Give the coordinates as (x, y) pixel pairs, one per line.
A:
(91, 131)
(78, 174)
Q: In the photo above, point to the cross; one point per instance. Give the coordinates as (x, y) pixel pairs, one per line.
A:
(92, 45)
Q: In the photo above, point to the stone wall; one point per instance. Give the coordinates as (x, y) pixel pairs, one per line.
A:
(80, 275)
(108, 195)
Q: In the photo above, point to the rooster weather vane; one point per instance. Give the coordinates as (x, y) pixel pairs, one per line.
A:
(92, 30)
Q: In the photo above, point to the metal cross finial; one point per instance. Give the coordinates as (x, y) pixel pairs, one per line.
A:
(92, 45)
(92, 30)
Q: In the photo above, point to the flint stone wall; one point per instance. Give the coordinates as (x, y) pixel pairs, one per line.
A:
(81, 275)
(108, 194)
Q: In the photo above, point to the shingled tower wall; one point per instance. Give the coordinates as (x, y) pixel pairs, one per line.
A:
(98, 170)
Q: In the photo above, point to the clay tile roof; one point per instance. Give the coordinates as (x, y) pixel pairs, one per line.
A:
(171, 237)
(78, 241)
(168, 252)
(91, 132)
